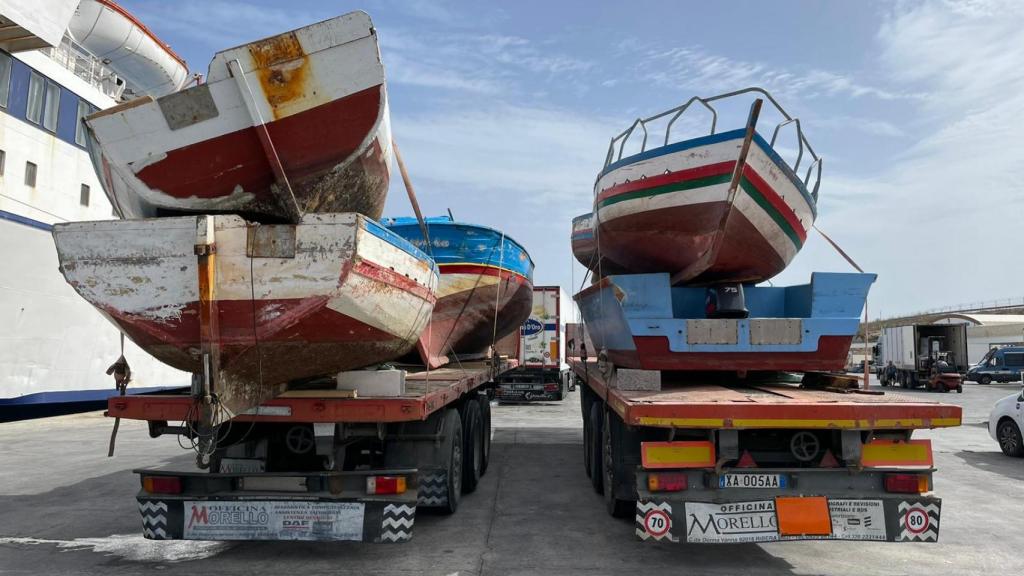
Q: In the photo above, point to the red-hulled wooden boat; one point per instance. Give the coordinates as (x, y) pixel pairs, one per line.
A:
(285, 126)
(260, 306)
(485, 290)
(719, 208)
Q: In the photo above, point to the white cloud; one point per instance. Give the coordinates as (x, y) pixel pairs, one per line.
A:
(942, 223)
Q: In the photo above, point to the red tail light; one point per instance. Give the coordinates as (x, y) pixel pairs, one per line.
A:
(385, 484)
(666, 482)
(161, 484)
(906, 483)
(551, 387)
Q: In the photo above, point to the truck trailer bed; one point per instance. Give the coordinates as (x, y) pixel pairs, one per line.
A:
(426, 392)
(759, 403)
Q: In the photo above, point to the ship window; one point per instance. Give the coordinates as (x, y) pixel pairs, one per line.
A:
(5, 78)
(84, 197)
(3, 161)
(83, 111)
(30, 175)
(52, 107)
(35, 98)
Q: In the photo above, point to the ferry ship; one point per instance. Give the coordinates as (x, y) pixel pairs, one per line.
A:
(56, 68)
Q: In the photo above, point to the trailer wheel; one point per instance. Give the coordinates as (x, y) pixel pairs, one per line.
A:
(472, 446)
(453, 442)
(594, 438)
(485, 413)
(611, 454)
(585, 401)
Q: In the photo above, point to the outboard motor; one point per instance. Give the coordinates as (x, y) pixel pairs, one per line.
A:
(725, 301)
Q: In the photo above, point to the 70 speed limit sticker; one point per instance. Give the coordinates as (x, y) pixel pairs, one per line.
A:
(654, 521)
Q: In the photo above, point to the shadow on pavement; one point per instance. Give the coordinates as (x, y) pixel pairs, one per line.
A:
(996, 462)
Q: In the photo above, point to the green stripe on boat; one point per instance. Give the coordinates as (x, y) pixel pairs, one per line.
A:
(754, 193)
(667, 188)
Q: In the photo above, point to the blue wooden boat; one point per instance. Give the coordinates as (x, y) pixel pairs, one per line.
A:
(642, 321)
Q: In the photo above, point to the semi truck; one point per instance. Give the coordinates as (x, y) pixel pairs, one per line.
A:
(542, 373)
(916, 353)
(732, 457)
(352, 463)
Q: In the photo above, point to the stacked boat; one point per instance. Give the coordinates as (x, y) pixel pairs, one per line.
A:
(680, 236)
(250, 254)
(485, 291)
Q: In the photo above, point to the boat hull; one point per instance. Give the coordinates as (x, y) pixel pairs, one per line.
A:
(485, 290)
(640, 321)
(293, 124)
(269, 305)
(674, 209)
(475, 308)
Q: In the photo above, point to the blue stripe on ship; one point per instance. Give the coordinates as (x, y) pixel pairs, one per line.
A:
(463, 243)
(11, 217)
(77, 396)
(715, 139)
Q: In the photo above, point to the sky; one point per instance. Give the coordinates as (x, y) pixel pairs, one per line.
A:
(504, 112)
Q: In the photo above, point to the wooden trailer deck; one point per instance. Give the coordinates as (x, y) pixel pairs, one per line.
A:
(426, 392)
(748, 404)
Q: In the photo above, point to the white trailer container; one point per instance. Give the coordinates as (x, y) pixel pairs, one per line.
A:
(913, 349)
(542, 373)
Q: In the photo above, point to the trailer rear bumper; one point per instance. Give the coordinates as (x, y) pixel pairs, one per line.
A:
(747, 515)
(332, 507)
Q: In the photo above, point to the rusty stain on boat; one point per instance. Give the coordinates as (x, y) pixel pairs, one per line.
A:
(282, 66)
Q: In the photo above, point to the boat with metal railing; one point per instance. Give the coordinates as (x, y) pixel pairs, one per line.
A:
(724, 207)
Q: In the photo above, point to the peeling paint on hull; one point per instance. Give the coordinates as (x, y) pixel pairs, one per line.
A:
(350, 296)
(466, 322)
(302, 127)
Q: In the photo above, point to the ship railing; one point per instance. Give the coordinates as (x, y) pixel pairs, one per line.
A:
(87, 67)
(618, 143)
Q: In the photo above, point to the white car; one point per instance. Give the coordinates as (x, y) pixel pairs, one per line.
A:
(1005, 424)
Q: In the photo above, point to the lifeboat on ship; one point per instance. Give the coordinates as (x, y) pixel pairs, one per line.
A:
(286, 126)
(131, 50)
(485, 290)
(262, 306)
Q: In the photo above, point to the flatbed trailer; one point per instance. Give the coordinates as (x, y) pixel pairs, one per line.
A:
(716, 458)
(321, 464)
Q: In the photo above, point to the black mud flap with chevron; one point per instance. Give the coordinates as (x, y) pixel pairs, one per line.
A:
(914, 520)
(169, 518)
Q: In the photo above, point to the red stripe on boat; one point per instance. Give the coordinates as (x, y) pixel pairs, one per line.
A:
(670, 178)
(776, 201)
(392, 278)
(309, 142)
(481, 270)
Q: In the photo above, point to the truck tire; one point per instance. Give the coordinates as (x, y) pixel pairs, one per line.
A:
(485, 413)
(612, 471)
(594, 448)
(472, 446)
(453, 442)
(585, 401)
(986, 380)
(1010, 440)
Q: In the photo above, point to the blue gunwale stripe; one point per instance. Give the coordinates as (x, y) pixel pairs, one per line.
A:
(398, 241)
(12, 217)
(516, 259)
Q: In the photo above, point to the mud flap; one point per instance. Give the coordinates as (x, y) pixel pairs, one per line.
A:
(310, 520)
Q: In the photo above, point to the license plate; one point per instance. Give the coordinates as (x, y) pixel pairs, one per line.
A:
(752, 481)
(242, 466)
(522, 387)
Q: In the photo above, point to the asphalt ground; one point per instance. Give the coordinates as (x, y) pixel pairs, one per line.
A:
(65, 508)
